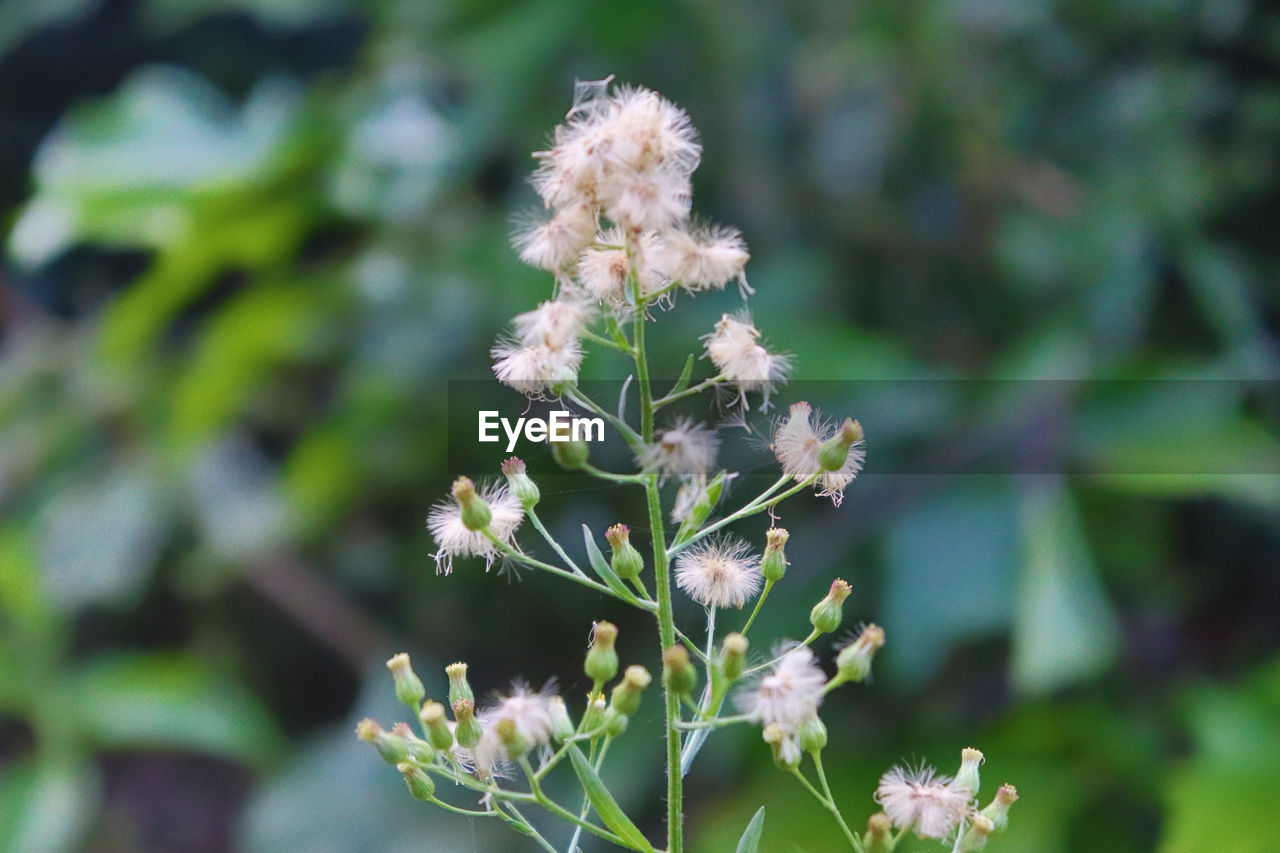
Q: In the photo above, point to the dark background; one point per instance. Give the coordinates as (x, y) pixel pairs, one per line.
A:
(249, 245)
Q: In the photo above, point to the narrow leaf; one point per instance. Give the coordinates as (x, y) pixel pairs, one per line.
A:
(685, 375)
(750, 841)
(604, 803)
(601, 565)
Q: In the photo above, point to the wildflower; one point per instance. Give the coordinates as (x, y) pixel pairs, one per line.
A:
(409, 689)
(705, 258)
(625, 698)
(602, 268)
(733, 656)
(535, 370)
(556, 323)
(774, 563)
(530, 714)
(678, 673)
(602, 658)
(922, 800)
(784, 744)
(826, 614)
(719, 573)
(454, 539)
(998, 810)
(734, 348)
(554, 244)
(789, 694)
(420, 785)
(853, 663)
(797, 444)
(520, 483)
(967, 778)
(625, 561)
(686, 449)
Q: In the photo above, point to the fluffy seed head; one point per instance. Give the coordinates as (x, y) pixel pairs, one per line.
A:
(602, 267)
(719, 573)
(734, 348)
(555, 323)
(454, 539)
(921, 799)
(797, 443)
(686, 449)
(535, 370)
(555, 243)
(789, 694)
(705, 258)
(530, 712)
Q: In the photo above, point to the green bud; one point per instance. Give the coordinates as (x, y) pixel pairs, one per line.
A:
(475, 512)
(602, 658)
(826, 614)
(392, 746)
(626, 696)
(733, 656)
(967, 777)
(409, 689)
(980, 829)
(593, 716)
(879, 834)
(519, 482)
(416, 779)
(813, 735)
(854, 661)
(832, 454)
(998, 811)
(570, 455)
(615, 723)
(678, 673)
(510, 738)
(773, 565)
(458, 686)
(626, 560)
(433, 720)
(785, 748)
(467, 730)
(561, 725)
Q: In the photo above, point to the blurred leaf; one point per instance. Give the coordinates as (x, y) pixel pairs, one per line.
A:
(1064, 629)
(603, 802)
(46, 806)
(750, 841)
(159, 700)
(237, 501)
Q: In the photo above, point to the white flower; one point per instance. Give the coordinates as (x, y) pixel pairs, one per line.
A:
(453, 539)
(922, 799)
(788, 695)
(796, 444)
(734, 348)
(719, 573)
(554, 244)
(535, 370)
(704, 258)
(602, 268)
(649, 200)
(557, 323)
(530, 711)
(686, 449)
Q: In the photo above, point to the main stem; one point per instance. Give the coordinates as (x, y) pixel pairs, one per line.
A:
(662, 577)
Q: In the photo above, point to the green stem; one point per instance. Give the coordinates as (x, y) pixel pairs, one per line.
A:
(563, 813)
(759, 504)
(625, 429)
(831, 801)
(688, 392)
(436, 801)
(768, 585)
(521, 557)
(551, 540)
(813, 635)
(529, 829)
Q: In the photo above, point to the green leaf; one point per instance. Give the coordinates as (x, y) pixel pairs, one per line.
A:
(685, 375)
(150, 700)
(601, 565)
(750, 841)
(604, 803)
(46, 806)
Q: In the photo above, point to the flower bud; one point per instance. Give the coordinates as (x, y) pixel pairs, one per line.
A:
(679, 675)
(420, 785)
(733, 656)
(602, 658)
(510, 738)
(458, 686)
(626, 560)
(570, 455)
(475, 512)
(467, 730)
(593, 717)
(879, 834)
(980, 829)
(813, 735)
(626, 696)
(967, 777)
(615, 723)
(854, 661)
(432, 717)
(409, 689)
(826, 614)
(785, 747)
(832, 455)
(773, 565)
(561, 725)
(520, 483)
(392, 746)
(998, 811)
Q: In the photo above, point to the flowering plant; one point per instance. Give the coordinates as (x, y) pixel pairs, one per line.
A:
(626, 155)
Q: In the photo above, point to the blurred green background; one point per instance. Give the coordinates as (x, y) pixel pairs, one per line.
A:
(249, 243)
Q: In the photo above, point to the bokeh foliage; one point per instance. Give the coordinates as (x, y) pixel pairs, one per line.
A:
(250, 242)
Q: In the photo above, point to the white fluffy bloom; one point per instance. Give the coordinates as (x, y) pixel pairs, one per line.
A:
(922, 799)
(735, 349)
(535, 370)
(650, 200)
(602, 268)
(704, 258)
(686, 449)
(789, 694)
(555, 323)
(796, 444)
(719, 573)
(453, 539)
(554, 244)
(530, 711)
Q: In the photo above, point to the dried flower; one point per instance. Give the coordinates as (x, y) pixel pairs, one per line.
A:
(704, 258)
(530, 712)
(787, 695)
(923, 800)
(797, 444)
(602, 268)
(538, 369)
(555, 243)
(722, 572)
(734, 348)
(453, 539)
(685, 449)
